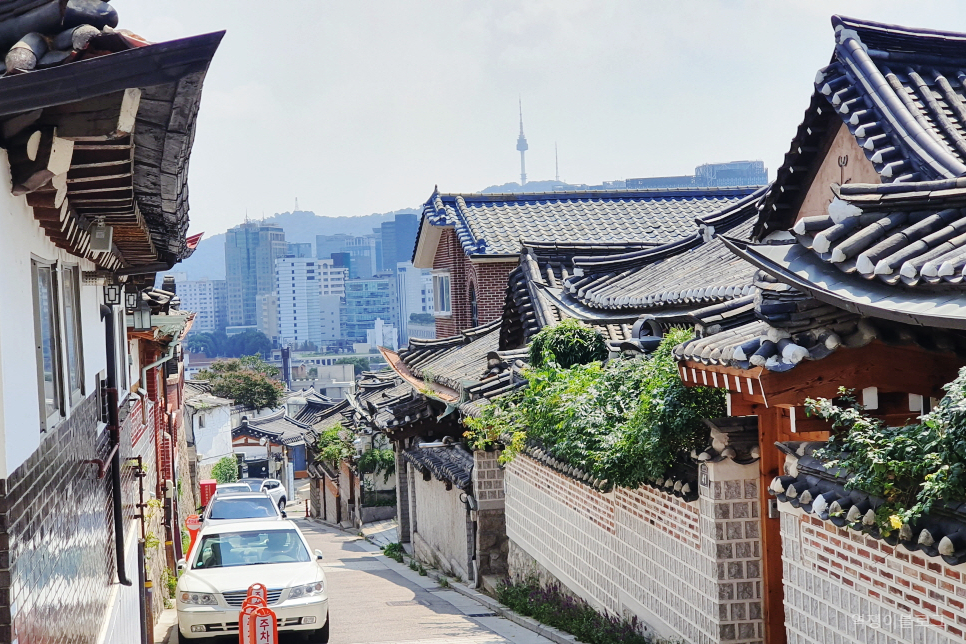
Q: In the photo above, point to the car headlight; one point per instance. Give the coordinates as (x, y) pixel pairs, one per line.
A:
(200, 599)
(306, 590)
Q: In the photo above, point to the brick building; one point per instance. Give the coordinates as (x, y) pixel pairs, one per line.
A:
(473, 241)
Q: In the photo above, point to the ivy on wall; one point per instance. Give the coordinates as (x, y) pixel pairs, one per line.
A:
(911, 468)
(624, 421)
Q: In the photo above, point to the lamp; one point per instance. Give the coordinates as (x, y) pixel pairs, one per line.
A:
(131, 300)
(102, 236)
(112, 294)
(142, 317)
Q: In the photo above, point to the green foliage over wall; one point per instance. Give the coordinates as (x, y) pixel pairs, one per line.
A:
(225, 470)
(912, 467)
(219, 345)
(359, 364)
(334, 445)
(625, 421)
(567, 344)
(376, 460)
(248, 381)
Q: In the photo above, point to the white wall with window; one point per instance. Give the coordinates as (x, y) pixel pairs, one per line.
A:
(51, 334)
(442, 294)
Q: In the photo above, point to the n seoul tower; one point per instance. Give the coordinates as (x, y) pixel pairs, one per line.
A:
(522, 147)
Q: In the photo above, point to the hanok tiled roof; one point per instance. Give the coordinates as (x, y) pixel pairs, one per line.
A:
(451, 463)
(452, 361)
(495, 224)
(333, 416)
(277, 427)
(818, 490)
(696, 271)
(915, 236)
(125, 107)
(899, 93)
(794, 326)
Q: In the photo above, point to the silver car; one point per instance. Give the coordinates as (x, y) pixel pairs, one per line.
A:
(233, 507)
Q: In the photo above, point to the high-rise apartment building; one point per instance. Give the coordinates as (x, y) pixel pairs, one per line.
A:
(297, 281)
(330, 315)
(331, 278)
(250, 253)
(208, 299)
(365, 301)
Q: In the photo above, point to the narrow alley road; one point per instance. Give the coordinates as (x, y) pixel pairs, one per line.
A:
(373, 603)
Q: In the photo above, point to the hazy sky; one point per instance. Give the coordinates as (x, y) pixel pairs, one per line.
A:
(356, 106)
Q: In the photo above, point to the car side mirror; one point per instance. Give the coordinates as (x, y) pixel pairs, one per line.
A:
(284, 514)
(182, 565)
(318, 555)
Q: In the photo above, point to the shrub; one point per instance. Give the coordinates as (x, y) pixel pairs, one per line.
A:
(567, 344)
(248, 381)
(911, 468)
(334, 445)
(555, 608)
(394, 551)
(225, 470)
(624, 422)
(376, 460)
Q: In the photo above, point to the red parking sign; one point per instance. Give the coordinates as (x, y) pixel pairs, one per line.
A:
(264, 626)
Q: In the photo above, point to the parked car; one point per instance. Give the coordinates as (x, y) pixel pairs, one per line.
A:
(241, 506)
(227, 558)
(273, 487)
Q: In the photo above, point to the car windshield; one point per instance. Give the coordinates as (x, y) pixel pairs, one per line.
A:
(255, 485)
(249, 548)
(243, 508)
(231, 487)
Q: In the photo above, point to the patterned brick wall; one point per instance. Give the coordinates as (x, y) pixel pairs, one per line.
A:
(872, 592)
(689, 570)
(492, 545)
(489, 280)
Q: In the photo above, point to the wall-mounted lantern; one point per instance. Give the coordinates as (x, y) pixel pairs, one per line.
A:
(112, 294)
(142, 317)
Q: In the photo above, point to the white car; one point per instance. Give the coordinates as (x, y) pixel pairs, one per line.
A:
(227, 488)
(272, 487)
(233, 507)
(228, 558)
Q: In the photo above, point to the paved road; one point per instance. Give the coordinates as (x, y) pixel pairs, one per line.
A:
(372, 600)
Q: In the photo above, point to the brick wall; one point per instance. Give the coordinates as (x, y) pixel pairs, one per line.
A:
(873, 592)
(687, 569)
(489, 279)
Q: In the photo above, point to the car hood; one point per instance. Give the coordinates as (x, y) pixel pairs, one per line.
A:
(278, 575)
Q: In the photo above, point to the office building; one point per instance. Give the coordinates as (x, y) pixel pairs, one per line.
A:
(208, 299)
(709, 175)
(398, 240)
(365, 301)
(383, 335)
(330, 317)
(361, 249)
(414, 294)
(250, 253)
(331, 278)
(267, 311)
(299, 249)
(328, 245)
(297, 284)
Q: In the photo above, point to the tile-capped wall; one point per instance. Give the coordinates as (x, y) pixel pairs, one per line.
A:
(844, 587)
(688, 570)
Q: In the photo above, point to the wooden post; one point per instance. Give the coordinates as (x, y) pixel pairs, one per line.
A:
(770, 430)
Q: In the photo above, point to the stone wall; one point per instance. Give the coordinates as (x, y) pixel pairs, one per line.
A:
(492, 544)
(872, 592)
(689, 570)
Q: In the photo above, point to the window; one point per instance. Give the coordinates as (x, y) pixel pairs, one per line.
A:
(474, 310)
(201, 421)
(72, 332)
(49, 376)
(441, 294)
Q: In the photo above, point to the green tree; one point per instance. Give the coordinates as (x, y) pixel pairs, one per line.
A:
(226, 470)
(360, 364)
(247, 344)
(212, 345)
(567, 344)
(422, 318)
(248, 381)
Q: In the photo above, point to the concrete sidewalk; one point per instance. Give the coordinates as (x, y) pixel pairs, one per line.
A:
(165, 630)
(380, 533)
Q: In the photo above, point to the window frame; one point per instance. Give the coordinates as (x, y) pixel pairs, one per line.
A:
(75, 395)
(48, 420)
(442, 294)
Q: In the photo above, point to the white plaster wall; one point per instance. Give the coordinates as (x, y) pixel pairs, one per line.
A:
(22, 237)
(213, 441)
(441, 529)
